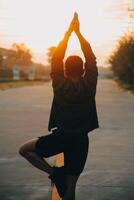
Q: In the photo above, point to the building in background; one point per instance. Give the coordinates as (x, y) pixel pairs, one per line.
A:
(9, 70)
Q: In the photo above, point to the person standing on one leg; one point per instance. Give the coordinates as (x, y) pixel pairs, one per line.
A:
(73, 115)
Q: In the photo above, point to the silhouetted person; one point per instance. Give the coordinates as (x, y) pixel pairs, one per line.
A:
(73, 116)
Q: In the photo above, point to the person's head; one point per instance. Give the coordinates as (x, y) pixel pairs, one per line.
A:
(74, 67)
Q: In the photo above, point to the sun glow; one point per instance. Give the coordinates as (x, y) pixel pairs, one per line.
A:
(42, 23)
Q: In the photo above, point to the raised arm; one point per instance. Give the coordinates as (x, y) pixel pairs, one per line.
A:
(57, 67)
(57, 59)
(85, 46)
(91, 71)
(86, 49)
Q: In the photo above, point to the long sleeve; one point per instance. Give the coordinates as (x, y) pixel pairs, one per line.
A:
(57, 59)
(57, 67)
(91, 71)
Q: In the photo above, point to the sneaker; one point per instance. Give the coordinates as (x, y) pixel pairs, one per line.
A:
(58, 178)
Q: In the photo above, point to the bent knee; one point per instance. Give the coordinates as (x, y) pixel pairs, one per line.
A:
(22, 152)
(27, 147)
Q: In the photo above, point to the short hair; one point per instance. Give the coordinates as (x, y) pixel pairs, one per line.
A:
(74, 66)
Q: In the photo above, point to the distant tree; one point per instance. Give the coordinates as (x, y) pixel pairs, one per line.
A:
(131, 15)
(122, 59)
(50, 53)
(123, 11)
(131, 11)
(23, 54)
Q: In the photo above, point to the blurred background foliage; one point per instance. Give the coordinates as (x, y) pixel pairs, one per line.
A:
(122, 60)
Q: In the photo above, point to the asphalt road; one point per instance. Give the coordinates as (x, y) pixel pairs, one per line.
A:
(109, 171)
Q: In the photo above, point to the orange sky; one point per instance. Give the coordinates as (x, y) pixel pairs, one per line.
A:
(42, 23)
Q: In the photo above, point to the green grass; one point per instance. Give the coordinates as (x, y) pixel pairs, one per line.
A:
(18, 84)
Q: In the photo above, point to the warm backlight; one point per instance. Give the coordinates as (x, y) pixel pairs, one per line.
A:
(41, 23)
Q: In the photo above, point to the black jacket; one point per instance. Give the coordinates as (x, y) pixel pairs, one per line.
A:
(74, 106)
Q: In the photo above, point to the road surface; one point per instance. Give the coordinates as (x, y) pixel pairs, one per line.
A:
(109, 171)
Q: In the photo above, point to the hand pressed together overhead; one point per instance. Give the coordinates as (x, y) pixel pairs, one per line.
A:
(75, 24)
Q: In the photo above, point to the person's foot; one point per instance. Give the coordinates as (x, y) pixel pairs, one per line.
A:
(58, 177)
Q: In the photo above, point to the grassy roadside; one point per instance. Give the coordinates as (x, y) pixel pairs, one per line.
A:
(18, 84)
(125, 86)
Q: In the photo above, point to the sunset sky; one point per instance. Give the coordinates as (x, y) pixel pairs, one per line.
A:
(42, 23)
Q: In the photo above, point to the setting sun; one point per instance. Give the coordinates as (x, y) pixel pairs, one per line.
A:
(42, 23)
